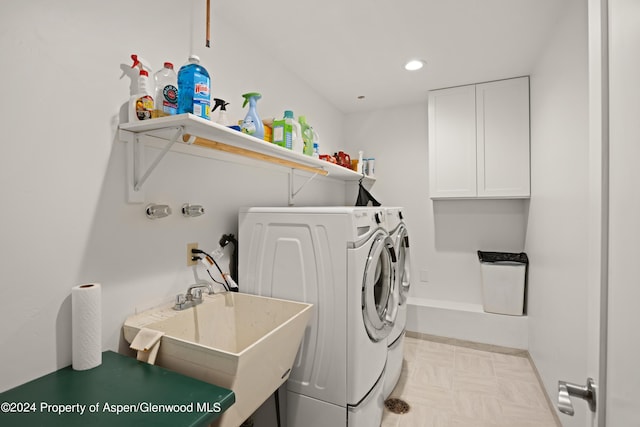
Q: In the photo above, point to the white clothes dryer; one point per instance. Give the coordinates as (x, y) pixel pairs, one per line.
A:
(341, 260)
(400, 236)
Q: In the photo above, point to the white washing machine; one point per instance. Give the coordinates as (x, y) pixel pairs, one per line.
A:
(395, 341)
(341, 260)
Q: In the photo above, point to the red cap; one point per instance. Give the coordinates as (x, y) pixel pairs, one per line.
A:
(168, 65)
(144, 73)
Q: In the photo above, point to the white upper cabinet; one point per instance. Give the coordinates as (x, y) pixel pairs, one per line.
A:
(452, 142)
(479, 140)
(502, 123)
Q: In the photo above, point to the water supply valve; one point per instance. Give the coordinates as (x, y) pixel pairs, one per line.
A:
(154, 211)
(191, 211)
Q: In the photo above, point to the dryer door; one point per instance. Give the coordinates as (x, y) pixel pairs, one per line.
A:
(379, 308)
(403, 270)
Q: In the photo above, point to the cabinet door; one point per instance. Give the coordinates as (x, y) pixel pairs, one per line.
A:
(503, 138)
(452, 142)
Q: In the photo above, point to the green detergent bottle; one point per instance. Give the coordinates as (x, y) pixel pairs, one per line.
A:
(307, 135)
(252, 125)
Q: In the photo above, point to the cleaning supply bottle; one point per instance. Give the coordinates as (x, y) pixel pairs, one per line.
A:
(141, 102)
(286, 133)
(252, 125)
(282, 130)
(166, 95)
(316, 142)
(194, 89)
(222, 118)
(297, 142)
(359, 168)
(307, 136)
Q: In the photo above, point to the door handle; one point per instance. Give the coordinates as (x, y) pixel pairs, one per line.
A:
(566, 390)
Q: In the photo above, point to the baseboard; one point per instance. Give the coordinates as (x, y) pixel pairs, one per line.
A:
(470, 344)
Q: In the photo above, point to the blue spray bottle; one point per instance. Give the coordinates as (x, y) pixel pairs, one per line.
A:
(252, 125)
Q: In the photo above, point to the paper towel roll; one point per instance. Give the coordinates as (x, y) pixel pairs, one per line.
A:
(86, 326)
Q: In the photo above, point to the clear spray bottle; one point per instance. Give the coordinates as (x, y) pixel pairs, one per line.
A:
(222, 119)
(141, 102)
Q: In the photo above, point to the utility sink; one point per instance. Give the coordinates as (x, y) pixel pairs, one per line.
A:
(242, 342)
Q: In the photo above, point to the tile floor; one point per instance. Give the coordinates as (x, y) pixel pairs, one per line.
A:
(449, 385)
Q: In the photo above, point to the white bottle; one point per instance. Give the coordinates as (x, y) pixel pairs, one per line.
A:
(166, 94)
(316, 142)
(371, 167)
(141, 104)
(297, 143)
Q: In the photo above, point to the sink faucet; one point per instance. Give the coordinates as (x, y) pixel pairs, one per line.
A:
(200, 284)
(193, 296)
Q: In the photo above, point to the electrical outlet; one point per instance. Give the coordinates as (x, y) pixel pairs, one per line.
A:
(424, 276)
(190, 261)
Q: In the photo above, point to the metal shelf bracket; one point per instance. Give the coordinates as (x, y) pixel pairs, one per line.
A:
(292, 193)
(137, 175)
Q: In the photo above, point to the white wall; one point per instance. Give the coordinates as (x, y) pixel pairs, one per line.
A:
(557, 230)
(445, 235)
(64, 219)
(624, 292)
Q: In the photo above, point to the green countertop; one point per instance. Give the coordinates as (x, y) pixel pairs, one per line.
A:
(120, 392)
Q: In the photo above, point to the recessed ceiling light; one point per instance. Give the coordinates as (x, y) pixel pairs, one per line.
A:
(414, 64)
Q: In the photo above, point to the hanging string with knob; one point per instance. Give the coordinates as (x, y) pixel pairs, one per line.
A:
(207, 44)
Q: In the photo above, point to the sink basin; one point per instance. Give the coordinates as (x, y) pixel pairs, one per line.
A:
(242, 342)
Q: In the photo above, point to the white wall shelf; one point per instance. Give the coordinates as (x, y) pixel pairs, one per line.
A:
(181, 132)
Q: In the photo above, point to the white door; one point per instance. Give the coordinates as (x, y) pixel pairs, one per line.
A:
(614, 288)
(593, 388)
(623, 342)
(598, 213)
